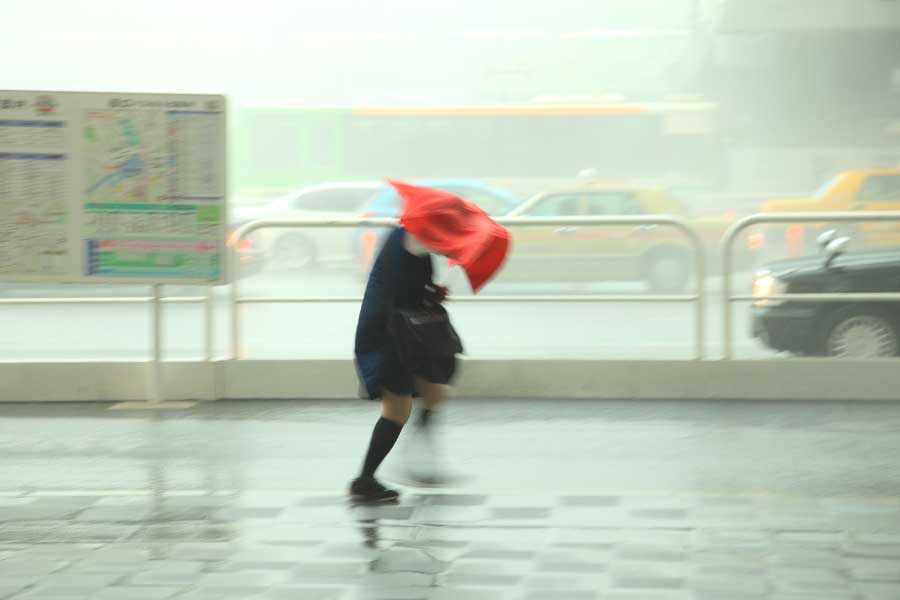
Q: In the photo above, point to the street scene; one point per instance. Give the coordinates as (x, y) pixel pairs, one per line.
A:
(470, 300)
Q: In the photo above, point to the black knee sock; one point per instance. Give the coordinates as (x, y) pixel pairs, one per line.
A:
(384, 435)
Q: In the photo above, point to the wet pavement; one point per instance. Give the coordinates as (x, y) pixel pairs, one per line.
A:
(568, 499)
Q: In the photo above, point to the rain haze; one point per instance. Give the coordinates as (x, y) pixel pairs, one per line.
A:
(650, 251)
(698, 109)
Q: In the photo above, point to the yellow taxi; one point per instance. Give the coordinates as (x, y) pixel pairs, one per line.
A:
(658, 255)
(855, 190)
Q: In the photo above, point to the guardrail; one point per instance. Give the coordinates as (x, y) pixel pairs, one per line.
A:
(698, 297)
(727, 247)
(671, 221)
(156, 301)
(694, 379)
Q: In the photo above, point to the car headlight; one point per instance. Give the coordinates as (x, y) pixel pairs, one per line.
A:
(766, 284)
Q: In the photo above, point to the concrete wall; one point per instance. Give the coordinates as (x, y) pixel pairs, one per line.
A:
(789, 379)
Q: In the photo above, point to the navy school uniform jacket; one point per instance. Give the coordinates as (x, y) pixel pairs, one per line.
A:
(398, 280)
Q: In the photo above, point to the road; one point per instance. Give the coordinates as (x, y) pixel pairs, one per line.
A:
(492, 329)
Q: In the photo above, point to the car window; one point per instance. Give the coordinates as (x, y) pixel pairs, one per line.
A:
(386, 203)
(338, 200)
(612, 203)
(489, 203)
(880, 187)
(825, 187)
(559, 205)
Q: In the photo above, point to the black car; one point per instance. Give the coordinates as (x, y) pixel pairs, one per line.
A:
(844, 329)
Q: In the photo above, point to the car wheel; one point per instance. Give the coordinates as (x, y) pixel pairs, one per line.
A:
(293, 252)
(859, 333)
(667, 271)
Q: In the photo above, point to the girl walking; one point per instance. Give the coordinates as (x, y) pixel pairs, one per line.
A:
(405, 346)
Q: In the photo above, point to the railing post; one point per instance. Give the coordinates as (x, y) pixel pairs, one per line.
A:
(209, 324)
(726, 249)
(157, 391)
(233, 296)
(700, 302)
(727, 352)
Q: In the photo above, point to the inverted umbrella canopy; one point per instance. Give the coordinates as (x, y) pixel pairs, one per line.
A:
(456, 228)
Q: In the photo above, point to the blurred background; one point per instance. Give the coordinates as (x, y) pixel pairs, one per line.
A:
(792, 91)
(705, 109)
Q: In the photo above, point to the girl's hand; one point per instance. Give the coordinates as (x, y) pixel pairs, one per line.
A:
(436, 293)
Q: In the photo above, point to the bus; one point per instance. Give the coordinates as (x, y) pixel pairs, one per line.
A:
(277, 149)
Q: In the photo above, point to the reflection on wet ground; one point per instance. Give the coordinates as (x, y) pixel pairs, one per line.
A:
(658, 501)
(452, 545)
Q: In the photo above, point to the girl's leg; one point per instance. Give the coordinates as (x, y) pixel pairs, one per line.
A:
(395, 409)
(424, 459)
(433, 396)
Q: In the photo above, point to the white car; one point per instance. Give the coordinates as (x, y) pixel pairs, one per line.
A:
(299, 248)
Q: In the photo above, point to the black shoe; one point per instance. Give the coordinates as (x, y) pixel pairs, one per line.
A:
(369, 489)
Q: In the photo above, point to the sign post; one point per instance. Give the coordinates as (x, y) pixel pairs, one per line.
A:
(114, 188)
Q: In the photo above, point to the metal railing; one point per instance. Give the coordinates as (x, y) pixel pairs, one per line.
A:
(727, 246)
(670, 221)
(156, 301)
(698, 296)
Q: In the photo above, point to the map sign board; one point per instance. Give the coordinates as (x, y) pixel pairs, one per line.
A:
(109, 187)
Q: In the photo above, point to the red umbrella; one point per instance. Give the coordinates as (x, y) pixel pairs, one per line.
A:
(456, 228)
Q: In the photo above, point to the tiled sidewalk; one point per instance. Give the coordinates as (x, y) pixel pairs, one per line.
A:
(453, 546)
